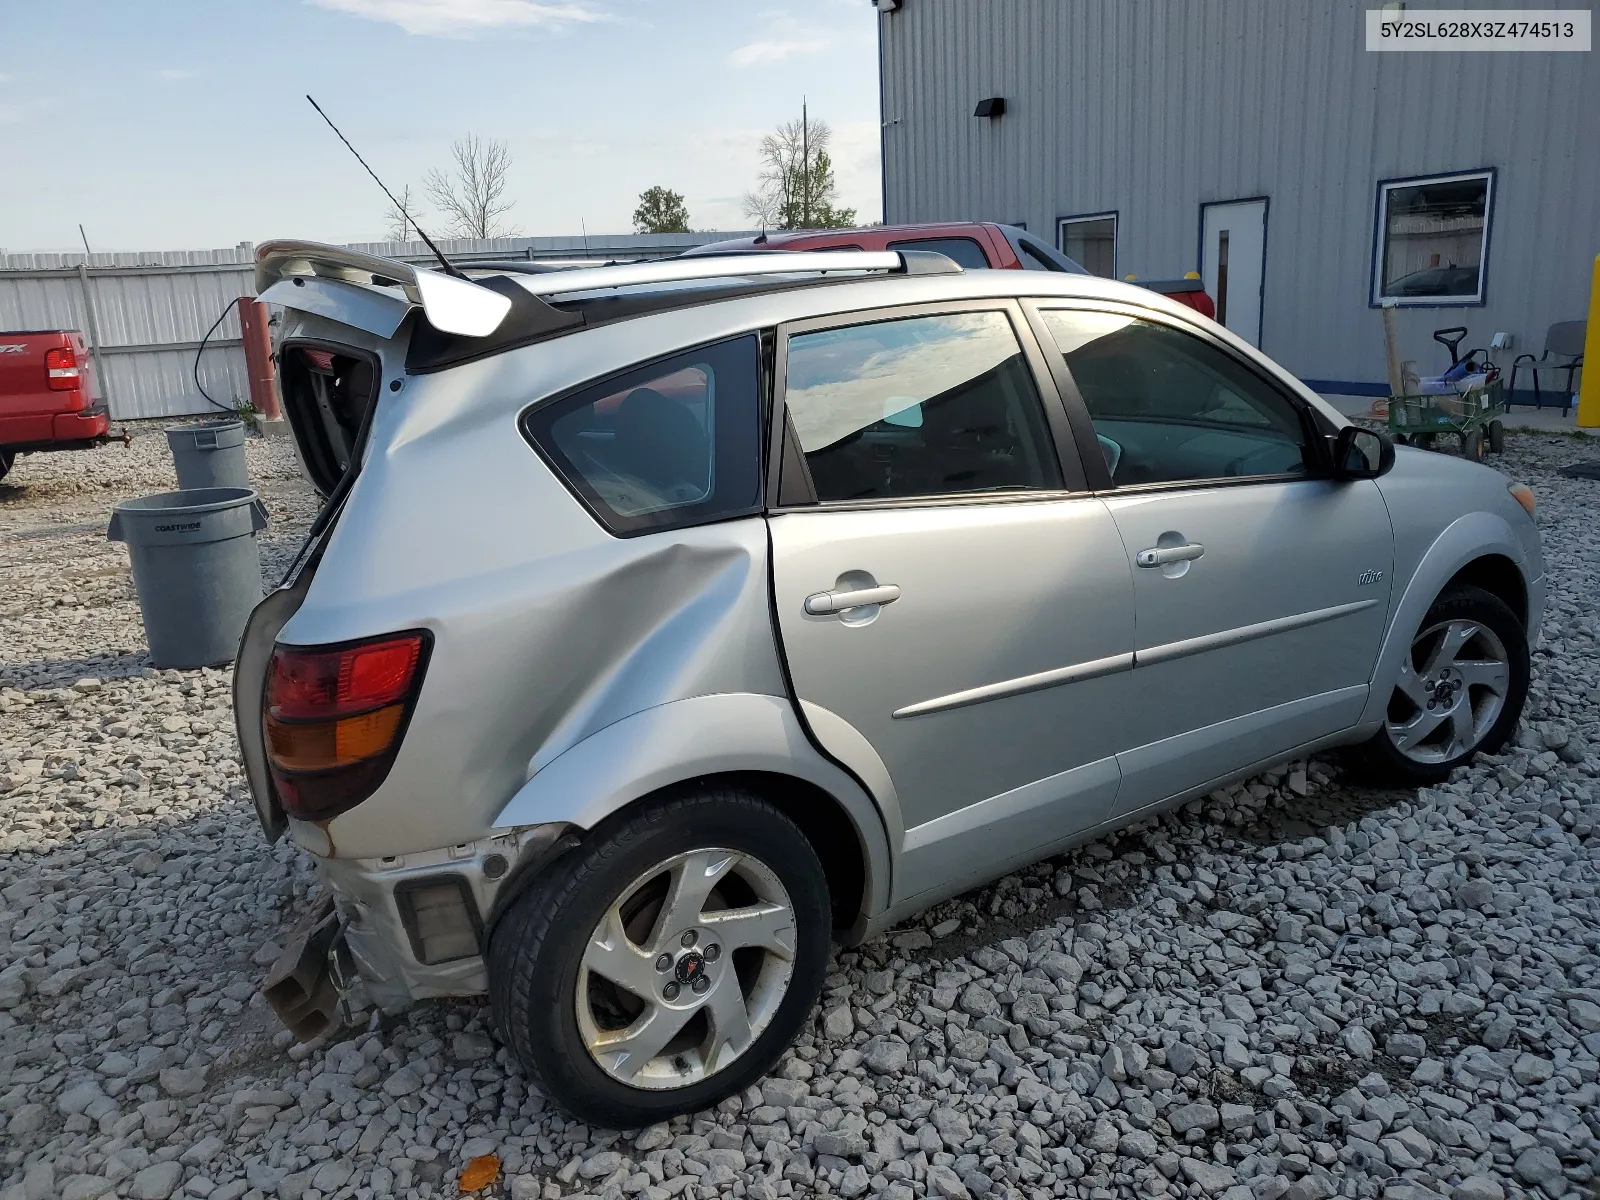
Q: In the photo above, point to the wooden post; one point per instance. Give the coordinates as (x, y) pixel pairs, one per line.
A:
(258, 358)
(1391, 352)
(1589, 389)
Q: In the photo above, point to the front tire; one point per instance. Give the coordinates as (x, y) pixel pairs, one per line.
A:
(1461, 691)
(667, 962)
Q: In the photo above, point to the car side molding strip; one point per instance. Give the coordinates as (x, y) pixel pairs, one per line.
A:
(1245, 633)
(1093, 669)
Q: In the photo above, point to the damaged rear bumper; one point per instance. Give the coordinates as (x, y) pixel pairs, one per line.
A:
(409, 927)
(302, 986)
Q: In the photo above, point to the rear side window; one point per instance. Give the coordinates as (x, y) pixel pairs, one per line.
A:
(670, 444)
(923, 406)
(965, 252)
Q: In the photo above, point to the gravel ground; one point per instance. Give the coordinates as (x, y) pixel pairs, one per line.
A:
(1294, 988)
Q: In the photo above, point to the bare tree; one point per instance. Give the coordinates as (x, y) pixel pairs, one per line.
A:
(398, 224)
(761, 207)
(796, 187)
(472, 197)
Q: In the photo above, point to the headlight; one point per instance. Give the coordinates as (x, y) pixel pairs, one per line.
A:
(1523, 495)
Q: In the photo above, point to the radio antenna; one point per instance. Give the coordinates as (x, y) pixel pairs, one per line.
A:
(449, 267)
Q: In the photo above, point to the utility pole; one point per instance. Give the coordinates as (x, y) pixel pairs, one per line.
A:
(805, 166)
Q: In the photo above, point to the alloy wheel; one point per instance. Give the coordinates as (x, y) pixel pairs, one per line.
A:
(1452, 688)
(686, 969)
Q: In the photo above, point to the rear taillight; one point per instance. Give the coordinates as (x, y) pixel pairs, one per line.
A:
(334, 717)
(61, 365)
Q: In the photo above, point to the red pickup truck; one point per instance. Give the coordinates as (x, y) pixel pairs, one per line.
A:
(972, 244)
(49, 397)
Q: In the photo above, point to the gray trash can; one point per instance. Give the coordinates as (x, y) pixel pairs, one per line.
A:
(196, 568)
(209, 454)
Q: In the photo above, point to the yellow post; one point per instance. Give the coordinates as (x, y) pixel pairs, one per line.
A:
(1589, 389)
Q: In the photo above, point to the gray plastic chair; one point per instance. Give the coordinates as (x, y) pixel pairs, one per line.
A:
(1563, 351)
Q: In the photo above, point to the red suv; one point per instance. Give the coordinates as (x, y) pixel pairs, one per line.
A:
(972, 244)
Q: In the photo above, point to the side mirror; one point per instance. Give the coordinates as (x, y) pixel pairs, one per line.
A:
(1360, 453)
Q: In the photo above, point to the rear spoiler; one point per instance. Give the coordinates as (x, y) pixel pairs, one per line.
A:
(451, 305)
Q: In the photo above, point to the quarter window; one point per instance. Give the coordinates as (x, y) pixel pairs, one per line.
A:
(673, 443)
(1168, 407)
(1433, 239)
(964, 252)
(922, 406)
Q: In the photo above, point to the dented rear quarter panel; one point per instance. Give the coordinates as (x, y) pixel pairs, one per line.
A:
(546, 628)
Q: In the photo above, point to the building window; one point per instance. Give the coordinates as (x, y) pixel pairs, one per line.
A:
(1092, 241)
(1433, 239)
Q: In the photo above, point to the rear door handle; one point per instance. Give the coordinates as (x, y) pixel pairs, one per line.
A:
(1160, 556)
(820, 604)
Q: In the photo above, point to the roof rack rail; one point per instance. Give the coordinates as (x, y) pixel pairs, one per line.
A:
(723, 266)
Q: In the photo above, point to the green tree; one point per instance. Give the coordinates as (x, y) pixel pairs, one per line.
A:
(797, 189)
(660, 210)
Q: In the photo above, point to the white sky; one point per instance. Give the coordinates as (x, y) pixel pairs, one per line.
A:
(183, 125)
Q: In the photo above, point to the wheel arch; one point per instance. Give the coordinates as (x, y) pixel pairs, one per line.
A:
(752, 741)
(1480, 549)
(1499, 576)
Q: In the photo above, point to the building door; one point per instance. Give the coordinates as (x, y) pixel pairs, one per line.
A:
(1233, 262)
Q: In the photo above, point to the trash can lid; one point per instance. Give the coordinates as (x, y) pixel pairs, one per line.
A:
(191, 500)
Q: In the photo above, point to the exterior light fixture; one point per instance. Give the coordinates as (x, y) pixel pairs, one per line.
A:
(994, 106)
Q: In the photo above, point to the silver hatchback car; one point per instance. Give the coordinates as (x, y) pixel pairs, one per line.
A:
(667, 622)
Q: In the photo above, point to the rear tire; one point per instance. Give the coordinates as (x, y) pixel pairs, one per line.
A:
(7, 457)
(575, 976)
(1473, 652)
(1472, 446)
(1422, 441)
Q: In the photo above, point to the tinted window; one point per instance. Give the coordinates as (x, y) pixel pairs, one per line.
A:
(963, 251)
(672, 443)
(1167, 406)
(918, 407)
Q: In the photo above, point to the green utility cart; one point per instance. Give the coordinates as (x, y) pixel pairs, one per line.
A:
(1475, 418)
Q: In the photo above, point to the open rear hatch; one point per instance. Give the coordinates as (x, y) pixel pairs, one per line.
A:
(330, 392)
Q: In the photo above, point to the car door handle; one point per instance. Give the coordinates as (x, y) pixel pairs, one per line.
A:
(1160, 556)
(820, 604)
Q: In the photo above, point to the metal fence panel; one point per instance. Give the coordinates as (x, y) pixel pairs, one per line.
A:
(152, 308)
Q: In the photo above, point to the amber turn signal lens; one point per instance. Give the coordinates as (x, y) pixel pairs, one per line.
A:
(1523, 495)
(319, 745)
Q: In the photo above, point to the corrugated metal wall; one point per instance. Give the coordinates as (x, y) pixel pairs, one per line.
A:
(1151, 109)
(151, 309)
(148, 322)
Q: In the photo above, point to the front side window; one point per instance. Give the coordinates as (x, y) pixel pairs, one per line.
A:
(1433, 239)
(964, 252)
(1168, 407)
(922, 406)
(1091, 241)
(673, 443)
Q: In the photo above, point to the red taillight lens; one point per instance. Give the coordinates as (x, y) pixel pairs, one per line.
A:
(61, 366)
(318, 684)
(334, 717)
